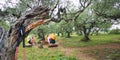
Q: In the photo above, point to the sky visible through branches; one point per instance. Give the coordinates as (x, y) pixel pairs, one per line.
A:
(12, 3)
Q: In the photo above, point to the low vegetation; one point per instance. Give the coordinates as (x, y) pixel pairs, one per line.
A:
(74, 41)
(35, 53)
(105, 54)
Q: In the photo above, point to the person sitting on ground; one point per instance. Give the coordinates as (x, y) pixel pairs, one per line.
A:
(51, 39)
(28, 42)
(31, 40)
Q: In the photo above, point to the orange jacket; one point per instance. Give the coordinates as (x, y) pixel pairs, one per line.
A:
(52, 36)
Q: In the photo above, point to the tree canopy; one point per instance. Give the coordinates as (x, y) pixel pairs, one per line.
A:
(57, 16)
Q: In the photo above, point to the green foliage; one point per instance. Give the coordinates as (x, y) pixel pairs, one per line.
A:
(49, 3)
(67, 27)
(50, 28)
(34, 31)
(12, 11)
(115, 31)
(45, 28)
(62, 26)
(107, 7)
(4, 24)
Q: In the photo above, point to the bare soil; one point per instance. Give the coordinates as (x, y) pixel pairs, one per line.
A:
(80, 52)
(80, 55)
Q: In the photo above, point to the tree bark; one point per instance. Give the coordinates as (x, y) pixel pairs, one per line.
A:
(86, 34)
(58, 34)
(13, 35)
(35, 24)
(41, 34)
(62, 34)
(86, 38)
(68, 35)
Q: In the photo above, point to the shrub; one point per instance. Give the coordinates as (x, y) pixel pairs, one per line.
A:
(115, 31)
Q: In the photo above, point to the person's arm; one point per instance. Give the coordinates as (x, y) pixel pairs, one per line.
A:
(49, 40)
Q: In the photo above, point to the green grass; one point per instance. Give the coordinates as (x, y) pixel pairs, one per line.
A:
(34, 53)
(74, 41)
(105, 54)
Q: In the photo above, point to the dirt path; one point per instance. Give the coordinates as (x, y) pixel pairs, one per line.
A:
(79, 55)
(82, 56)
(78, 52)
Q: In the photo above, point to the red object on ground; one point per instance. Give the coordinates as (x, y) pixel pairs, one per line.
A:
(24, 54)
(16, 53)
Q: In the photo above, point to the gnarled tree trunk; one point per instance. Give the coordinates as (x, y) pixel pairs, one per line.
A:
(13, 35)
(86, 34)
(3, 44)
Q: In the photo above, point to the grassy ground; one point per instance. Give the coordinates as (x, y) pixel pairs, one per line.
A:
(95, 40)
(104, 54)
(35, 53)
